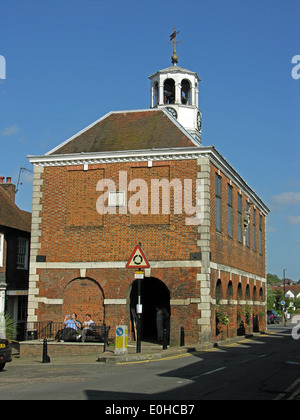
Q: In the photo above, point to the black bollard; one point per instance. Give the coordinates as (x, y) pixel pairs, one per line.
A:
(46, 358)
(165, 339)
(182, 336)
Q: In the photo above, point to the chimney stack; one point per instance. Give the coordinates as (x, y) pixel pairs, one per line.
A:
(8, 187)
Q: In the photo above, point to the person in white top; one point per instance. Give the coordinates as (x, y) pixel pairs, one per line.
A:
(88, 326)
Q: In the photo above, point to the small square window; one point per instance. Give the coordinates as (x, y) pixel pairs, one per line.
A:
(116, 198)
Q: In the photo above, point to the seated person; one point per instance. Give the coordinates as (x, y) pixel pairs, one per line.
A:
(88, 326)
(71, 325)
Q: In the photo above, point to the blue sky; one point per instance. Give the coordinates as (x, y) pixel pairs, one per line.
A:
(69, 62)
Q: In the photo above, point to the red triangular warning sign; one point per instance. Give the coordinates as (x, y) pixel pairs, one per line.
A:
(137, 259)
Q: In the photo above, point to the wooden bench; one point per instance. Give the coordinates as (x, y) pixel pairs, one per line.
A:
(99, 334)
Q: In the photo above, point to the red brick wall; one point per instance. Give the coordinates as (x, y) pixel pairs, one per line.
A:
(163, 237)
(86, 295)
(229, 251)
(251, 295)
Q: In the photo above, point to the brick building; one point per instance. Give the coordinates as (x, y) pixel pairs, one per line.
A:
(15, 226)
(143, 177)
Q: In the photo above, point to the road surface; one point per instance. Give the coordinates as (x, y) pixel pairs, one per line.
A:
(262, 368)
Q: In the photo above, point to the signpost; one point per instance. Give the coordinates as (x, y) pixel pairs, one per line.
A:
(138, 261)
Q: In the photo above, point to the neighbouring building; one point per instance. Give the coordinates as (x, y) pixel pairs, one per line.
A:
(15, 227)
(144, 177)
(291, 291)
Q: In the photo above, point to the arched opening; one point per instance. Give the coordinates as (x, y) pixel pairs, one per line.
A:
(81, 296)
(218, 292)
(247, 294)
(239, 292)
(254, 297)
(230, 290)
(156, 94)
(261, 294)
(169, 91)
(153, 293)
(185, 92)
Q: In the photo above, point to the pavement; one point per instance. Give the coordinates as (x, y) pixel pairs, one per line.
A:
(149, 351)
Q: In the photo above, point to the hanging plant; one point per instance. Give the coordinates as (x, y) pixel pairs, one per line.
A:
(240, 315)
(261, 314)
(222, 316)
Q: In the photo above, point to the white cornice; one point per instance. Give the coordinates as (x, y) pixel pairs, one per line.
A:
(117, 156)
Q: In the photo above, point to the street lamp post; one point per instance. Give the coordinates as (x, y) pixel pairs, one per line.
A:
(284, 270)
(284, 306)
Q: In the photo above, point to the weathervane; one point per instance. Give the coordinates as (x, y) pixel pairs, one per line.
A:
(173, 39)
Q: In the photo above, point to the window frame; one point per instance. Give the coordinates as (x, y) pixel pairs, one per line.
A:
(260, 234)
(229, 211)
(218, 195)
(22, 254)
(247, 230)
(239, 219)
(1, 249)
(254, 230)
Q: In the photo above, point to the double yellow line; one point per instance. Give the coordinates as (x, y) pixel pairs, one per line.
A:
(178, 356)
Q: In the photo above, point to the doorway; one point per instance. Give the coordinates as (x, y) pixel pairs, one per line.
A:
(153, 293)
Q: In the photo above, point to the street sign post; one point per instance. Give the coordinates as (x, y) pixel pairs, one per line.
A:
(138, 261)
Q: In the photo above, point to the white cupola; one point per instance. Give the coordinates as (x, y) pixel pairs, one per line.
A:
(176, 89)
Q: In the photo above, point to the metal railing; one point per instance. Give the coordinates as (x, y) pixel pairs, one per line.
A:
(43, 329)
(48, 330)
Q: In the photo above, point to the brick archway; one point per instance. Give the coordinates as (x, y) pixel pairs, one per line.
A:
(84, 295)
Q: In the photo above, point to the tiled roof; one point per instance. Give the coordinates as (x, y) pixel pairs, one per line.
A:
(10, 214)
(295, 288)
(128, 130)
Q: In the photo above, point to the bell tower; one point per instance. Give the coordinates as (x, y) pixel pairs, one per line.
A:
(177, 89)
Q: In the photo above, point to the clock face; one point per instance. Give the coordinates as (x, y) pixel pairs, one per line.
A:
(199, 121)
(172, 111)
